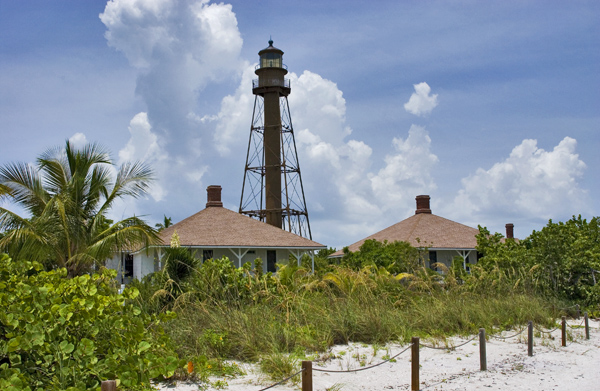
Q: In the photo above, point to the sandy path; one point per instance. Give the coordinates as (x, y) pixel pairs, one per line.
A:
(552, 367)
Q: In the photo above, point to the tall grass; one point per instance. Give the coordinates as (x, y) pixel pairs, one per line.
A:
(225, 312)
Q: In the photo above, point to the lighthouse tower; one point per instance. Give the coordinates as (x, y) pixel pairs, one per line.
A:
(272, 190)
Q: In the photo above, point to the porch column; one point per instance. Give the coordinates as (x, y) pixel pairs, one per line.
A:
(239, 255)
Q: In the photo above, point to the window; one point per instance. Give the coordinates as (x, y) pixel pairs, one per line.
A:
(270, 60)
(128, 266)
(271, 260)
(206, 255)
(433, 260)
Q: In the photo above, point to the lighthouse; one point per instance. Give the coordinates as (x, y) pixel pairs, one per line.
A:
(272, 189)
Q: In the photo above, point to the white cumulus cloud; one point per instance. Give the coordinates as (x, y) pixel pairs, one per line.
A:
(143, 145)
(149, 31)
(178, 49)
(420, 102)
(235, 115)
(78, 140)
(530, 183)
(318, 104)
(407, 173)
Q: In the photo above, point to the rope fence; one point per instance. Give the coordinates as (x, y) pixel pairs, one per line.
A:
(512, 336)
(414, 346)
(448, 347)
(546, 331)
(576, 326)
(362, 369)
(282, 381)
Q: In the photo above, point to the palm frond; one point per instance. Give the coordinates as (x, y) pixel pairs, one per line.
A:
(23, 183)
(98, 183)
(133, 179)
(56, 178)
(10, 220)
(5, 192)
(131, 233)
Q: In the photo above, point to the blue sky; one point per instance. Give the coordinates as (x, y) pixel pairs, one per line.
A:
(491, 108)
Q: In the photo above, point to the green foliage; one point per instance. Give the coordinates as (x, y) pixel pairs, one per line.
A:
(279, 366)
(67, 196)
(166, 223)
(205, 367)
(561, 260)
(215, 342)
(231, 313)
(396, 257)
(59, 333)
(180, 262)
(568, 253)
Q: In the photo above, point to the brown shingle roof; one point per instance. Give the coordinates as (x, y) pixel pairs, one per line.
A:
(431, 231)
(221, 227)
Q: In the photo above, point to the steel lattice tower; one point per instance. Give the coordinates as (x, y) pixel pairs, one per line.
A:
(272, 190)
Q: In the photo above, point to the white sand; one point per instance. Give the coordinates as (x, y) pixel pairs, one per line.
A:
(552, 367)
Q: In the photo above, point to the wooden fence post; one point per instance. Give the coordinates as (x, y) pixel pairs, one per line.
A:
(482, 353)
(564, 331)
(307, 383)
(578, 311)
(530, 338)
(587, 325)
(414, 365)
(108, 385)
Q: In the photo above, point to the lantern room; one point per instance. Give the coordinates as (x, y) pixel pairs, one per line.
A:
(271, 57)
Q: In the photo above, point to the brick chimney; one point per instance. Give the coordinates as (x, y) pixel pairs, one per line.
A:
(423, 204)
(510, 231)
(214, 196)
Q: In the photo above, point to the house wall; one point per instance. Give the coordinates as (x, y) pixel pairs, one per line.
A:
(282, 256)
(446, 257)
(145, 263)
(114, 263)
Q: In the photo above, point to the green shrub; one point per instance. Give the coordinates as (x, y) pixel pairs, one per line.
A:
(59, 333)
(396, 257)
(180, 262)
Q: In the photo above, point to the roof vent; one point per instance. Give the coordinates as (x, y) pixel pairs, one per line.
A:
(510, 231)
(423, 204)
(214, 196)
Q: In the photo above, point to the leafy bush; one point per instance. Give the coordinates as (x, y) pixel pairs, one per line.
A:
(396, 257)
(562, 260)
(59, 333)
(180, 262)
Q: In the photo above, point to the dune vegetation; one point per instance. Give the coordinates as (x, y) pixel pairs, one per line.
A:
(65, 326)
(380, 294)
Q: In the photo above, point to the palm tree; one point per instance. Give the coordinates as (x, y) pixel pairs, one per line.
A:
(167, 222)
(67, 195)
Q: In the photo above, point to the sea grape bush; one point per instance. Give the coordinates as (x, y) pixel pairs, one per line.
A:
(562, 259)
(59, 333)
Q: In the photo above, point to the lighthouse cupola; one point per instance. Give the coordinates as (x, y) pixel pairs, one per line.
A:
(271, 73)
(271, 57)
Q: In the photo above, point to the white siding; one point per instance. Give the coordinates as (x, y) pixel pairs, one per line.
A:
(143, 264)
(446, 256)
(146, 263)
(114, 263)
